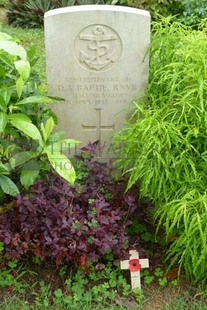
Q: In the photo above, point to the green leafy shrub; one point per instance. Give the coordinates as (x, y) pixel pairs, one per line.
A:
(165, 145)
(30, 13)
(4, 2)
(188, 12)
(28, 145)
(192, 11)
(155, 7)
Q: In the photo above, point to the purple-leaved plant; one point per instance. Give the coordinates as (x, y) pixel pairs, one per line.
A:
(65, 223)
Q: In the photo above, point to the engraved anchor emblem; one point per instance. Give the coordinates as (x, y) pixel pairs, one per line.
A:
(100, 54)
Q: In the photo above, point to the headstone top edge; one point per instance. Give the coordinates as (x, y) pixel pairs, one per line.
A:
(99, 7)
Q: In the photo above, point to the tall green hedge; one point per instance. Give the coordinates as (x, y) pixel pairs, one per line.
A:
(165, 146)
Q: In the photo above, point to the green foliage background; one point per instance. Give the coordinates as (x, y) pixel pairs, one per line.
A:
(30, 13)
(23, 36)
(26, 124)
(165, 146)
(4, 2)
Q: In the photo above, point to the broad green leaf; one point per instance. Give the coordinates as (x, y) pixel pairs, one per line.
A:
(6, 147)
(29, 173)
(62, 145)
(35, 99)
(19, 86)
(13, 48)
(23, 68)
(3, 106)
(5, 96)
(3, 169)
(19, 116)
(8, 186)
(5, 37)
(2, 71)
(47, 128)
(3, 121)
(70, 142)
(43, 131)
(13, 132)
(31, 54)
(57, 136)
(62, 166)
(20, 159)
(28, 129)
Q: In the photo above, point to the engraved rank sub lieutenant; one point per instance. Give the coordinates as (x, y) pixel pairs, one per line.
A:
(98, 48)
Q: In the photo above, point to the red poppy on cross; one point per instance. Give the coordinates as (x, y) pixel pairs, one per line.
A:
(134, 264)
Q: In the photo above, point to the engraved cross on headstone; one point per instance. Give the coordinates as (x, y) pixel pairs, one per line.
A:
(134, 264)
(98, 128)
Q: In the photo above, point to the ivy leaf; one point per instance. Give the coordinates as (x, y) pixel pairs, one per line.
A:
(8, 185)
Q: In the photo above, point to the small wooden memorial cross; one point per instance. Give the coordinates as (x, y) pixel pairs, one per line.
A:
(134, 264)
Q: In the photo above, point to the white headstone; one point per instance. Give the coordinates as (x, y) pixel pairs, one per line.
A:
(97, 60)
